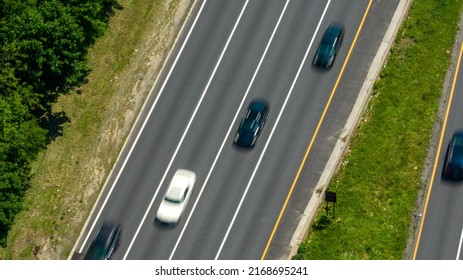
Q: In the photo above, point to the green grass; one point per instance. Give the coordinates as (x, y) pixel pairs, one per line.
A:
(69, 175)
(378, 183)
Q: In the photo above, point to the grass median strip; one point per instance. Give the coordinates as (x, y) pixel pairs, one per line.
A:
(379, 179)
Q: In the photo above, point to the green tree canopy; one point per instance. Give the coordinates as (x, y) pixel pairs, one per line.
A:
(43, 53)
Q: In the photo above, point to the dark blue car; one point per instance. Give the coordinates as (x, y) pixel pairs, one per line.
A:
(105, 242)
(252, 124)
(329, 46)
(453, 164)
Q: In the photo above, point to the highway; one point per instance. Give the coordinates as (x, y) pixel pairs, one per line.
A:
(246, 204)
(440, 234)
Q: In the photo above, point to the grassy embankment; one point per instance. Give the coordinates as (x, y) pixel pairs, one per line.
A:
(69, 175)
(378, 183)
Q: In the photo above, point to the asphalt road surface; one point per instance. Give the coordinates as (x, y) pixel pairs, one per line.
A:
(229, 53)
(441, 233)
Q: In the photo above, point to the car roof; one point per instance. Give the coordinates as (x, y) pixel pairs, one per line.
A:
(175, 191)
(255, 109)
(457, 140)
(457, 148)
(331, 33)
(178, 185)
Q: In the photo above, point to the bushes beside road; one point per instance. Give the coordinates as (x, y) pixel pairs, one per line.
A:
(42, 56)
(90, 125)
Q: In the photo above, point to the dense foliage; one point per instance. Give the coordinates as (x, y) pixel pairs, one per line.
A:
(43, 50)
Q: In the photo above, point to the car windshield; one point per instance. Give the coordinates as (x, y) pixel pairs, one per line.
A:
(251, 118)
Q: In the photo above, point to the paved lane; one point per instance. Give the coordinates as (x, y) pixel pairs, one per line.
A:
(236, 51)
(441, 232)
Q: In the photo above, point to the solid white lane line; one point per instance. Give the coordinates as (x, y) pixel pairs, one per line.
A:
(460, 244)
(231, 125)
(142, 128)
(187, 128)
(273, 130)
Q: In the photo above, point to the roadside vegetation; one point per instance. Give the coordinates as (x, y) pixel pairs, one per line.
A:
(73, 76)
(71, 86)
(43, 54)
(380, 177)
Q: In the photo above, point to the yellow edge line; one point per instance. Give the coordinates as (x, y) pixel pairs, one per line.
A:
(301, 166)
(431, 181)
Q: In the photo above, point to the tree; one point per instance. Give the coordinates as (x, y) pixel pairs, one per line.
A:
(45, 47)
(21, 138)
(43, 53)
(93, 16)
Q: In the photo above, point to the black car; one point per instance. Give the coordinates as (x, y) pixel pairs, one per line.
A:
(105, 242)
(453, 163)
(252, 123)
(329, 46)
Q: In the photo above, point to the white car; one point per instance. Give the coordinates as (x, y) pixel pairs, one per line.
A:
(176, 197)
